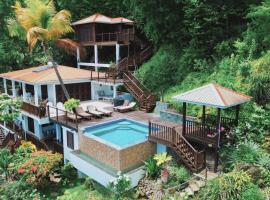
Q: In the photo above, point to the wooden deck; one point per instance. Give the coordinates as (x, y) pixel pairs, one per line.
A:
(135, 115)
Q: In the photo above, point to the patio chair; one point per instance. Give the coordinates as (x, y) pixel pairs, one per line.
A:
(127, 108)
(61, 108)
(82, 113)
(104, 111)
(126, 103)
(92, 110)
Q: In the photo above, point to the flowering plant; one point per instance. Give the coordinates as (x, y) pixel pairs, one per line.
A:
(120, 186)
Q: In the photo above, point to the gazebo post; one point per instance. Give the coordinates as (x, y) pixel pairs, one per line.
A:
(237, 110)
(184, 118)
(218, 126)
(203, 115)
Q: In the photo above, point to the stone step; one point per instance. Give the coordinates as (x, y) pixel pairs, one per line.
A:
(189, 191)
(200, 183)
(194, 187)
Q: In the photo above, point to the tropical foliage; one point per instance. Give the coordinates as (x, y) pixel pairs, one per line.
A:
(71, 104)
(39, 21)
(9, 108)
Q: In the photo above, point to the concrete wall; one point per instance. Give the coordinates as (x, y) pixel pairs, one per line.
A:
(67, 150)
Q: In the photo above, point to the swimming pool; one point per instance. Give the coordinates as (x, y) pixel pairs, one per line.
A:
(120, 133)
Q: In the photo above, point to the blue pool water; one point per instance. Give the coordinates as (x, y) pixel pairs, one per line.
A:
(122, 132)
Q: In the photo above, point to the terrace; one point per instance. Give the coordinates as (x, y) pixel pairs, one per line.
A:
(60, 115)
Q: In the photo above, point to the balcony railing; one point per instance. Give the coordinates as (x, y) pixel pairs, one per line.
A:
(39, 111)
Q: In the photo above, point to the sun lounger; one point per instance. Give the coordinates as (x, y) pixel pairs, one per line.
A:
(92, 110)
(104, 111)
(73, 118)
(130, 107)
(126, 102)
(82, 113)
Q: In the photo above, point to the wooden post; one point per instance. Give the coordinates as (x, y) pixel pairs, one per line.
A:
(203, 115)
(237, 110)
(218, 139)
(184, 118)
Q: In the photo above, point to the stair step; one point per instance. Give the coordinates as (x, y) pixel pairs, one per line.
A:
(194, 187)
(200, 183)
(189, 191)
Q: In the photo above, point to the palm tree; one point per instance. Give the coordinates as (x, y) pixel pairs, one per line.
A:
(37, 22)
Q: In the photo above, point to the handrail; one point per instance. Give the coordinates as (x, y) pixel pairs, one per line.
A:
(65, 113)
(133, 83)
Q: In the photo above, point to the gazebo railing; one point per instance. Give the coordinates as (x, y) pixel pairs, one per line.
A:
(201, 132)
(225, 122)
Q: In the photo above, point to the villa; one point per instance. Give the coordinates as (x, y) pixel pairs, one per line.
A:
(100, 145)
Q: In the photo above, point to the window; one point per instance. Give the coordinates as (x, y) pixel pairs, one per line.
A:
(31, 125)
(70, 140)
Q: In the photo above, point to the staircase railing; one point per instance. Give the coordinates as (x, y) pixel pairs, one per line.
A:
(167, 134)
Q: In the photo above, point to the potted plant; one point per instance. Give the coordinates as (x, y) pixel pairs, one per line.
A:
(71, 104)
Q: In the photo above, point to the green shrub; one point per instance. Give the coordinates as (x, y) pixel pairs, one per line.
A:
(120, 186)
(88, 183)
(68, 172)
(178, 173)
(152, 169)
(71, 104)
(229, 186)
(252, 192)
(18, 190)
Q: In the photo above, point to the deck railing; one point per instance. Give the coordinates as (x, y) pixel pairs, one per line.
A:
(201, 132)
(169, 135)
(121, 36)
(39, 111)
(64, 117)
(226, 122)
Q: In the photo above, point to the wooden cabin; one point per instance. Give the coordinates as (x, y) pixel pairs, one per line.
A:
(99, 28)
(111, 40)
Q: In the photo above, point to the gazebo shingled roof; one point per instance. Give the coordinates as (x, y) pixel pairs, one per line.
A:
(100, 18)
(213, 95)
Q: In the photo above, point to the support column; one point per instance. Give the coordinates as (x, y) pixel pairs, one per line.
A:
(184, 118)
(117, 54)
(5, 85)
(203, 115)
(58, 133)
(237, 110)
(114, 91)
(13, 88)
(36, 94)
(24, 91)
(54, 95)
(78, 57)
(96, 56)
(218, 126)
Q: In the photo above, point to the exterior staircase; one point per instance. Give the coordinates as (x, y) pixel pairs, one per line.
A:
(121, 70)
(167, 134)
(145, 98)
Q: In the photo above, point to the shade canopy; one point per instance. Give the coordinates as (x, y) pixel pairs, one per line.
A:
(100, 18)
(47, 75)
(213, 95)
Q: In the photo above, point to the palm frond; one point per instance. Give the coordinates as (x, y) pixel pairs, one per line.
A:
(60, 24)
(70, 47)
(33, 35)
(15, 29)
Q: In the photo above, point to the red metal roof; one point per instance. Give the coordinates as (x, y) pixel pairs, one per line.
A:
(46, 76)
(100, 18)
(213, 95)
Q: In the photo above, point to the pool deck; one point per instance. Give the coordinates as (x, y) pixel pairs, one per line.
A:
(137, 115)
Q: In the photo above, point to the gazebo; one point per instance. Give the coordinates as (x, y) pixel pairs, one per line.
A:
(216, 96)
